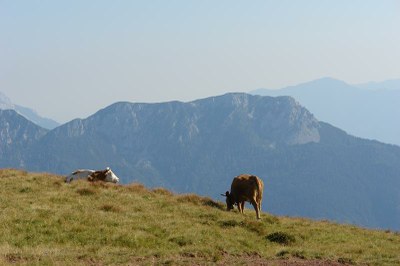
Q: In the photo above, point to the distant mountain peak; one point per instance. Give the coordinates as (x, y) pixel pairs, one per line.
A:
(280, 118)
(5, 102)
(28, 113)
(324, 83)
(391, 84)
(363, 110)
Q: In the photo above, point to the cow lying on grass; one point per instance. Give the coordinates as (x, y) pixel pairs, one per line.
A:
(245, 188)
(106, 175)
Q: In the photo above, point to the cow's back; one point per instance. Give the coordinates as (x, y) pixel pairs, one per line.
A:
(79, 174)
(245, 187)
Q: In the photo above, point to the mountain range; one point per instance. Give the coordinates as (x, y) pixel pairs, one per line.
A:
(366, 110)
(391, 84)
(30, 114)
(310, 168)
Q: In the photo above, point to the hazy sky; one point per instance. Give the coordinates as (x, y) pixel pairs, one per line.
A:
(67, 59)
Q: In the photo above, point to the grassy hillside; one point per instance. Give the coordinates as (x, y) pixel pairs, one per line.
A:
(45, 221)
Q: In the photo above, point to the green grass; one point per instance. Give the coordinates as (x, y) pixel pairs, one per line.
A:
(45, 221)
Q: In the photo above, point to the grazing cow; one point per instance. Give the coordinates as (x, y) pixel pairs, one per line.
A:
(106, 175)
(245, 188)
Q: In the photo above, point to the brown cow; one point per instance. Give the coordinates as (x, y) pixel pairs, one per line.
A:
(245, 188)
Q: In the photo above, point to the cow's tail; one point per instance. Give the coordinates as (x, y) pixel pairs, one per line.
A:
(260, 188)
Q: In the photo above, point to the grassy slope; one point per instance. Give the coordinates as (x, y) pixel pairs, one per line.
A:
(45, 221)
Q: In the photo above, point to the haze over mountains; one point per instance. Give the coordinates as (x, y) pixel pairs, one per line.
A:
(309, 168)
(30, 114)
(369, 110)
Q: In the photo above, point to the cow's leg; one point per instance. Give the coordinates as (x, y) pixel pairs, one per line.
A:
(256, 208)
(239, 205)
(242, 206)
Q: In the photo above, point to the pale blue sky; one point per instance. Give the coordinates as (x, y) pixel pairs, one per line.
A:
(67, 59)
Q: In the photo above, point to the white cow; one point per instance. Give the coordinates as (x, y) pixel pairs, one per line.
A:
(106, 175)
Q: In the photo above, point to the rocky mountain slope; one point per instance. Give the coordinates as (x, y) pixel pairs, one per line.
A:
(365, 110)
(17, 134)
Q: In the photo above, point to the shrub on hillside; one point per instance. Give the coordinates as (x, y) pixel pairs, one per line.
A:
(110, 208)
(214, 204)
(25, 190)
(181, 241)
(281, 238)
(198, 200)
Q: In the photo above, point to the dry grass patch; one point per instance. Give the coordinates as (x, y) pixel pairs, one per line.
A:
(10, 173)
(162, 191)
(86, 191)
(45, 221)
(135, 187)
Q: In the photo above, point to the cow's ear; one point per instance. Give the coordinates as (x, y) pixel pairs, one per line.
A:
(227, 193)
(224, 195)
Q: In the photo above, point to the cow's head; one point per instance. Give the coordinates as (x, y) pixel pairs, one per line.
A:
(110, 176)
(229, 201)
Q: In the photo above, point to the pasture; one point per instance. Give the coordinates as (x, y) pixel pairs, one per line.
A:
(45, 221)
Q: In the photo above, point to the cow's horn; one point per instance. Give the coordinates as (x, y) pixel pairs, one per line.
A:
(226, 194)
